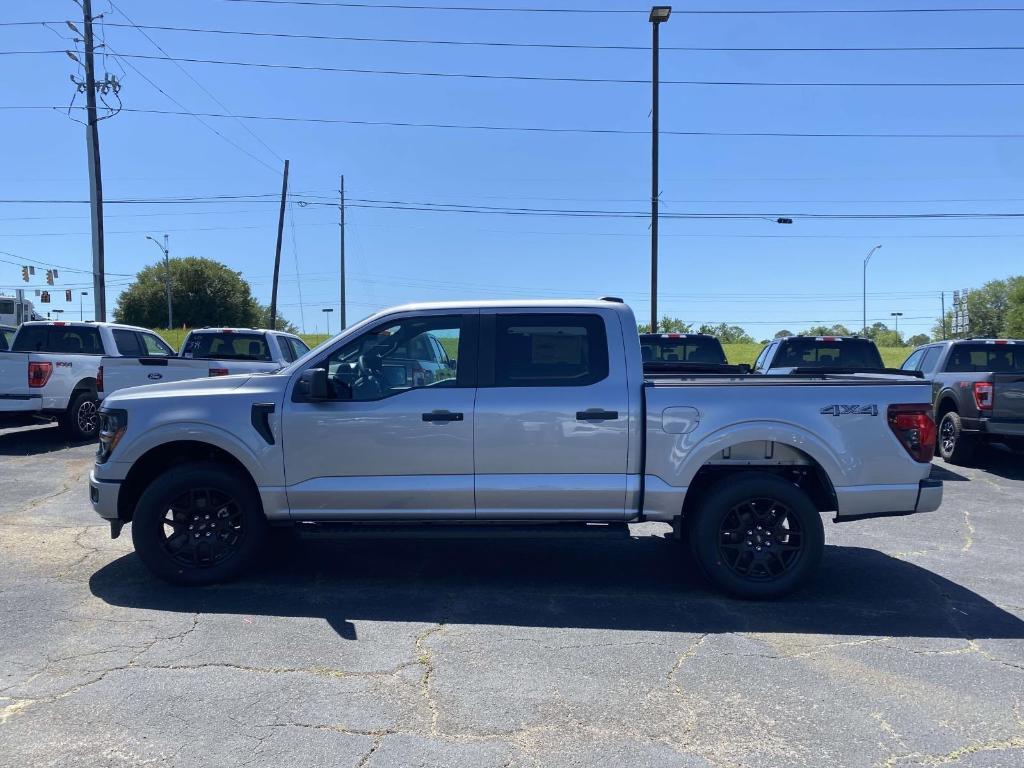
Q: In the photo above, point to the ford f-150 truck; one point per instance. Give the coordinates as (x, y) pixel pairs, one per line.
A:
(835, 354)
(546, 419)
(204, 352)
(978, 392)
(53, 368)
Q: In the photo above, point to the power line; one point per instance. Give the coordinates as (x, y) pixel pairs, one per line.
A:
(145, 77)
(557, 130)
(544, 78)
(687, 12)
(188, 74)
(570, 46)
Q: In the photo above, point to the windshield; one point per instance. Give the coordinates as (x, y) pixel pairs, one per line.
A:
(838, 353)
(997, 358)
(226, 346)
(683, 349)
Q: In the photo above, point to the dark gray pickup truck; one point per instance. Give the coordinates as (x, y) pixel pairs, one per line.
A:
(978, 392)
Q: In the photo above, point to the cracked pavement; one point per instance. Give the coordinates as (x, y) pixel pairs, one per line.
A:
(908, 649)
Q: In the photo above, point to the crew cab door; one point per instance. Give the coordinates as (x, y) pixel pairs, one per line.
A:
(552, 410)
(393, 440)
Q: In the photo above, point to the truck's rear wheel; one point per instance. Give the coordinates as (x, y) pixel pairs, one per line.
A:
(198, 523)
(756, 536)
(81, 421)
(955, 446)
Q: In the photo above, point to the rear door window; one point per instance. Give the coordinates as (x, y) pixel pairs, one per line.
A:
(549, 350)
(127, 342)
(931, 359)
(287, 353)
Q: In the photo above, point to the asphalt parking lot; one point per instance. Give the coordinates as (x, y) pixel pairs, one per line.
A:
(908, 650)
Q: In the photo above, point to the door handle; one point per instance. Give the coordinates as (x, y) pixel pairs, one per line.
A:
(442, 416)
(596, 414)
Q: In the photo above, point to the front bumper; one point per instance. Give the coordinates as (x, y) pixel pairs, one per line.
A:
(103, 495)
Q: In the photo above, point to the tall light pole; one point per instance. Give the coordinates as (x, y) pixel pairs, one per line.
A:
(167, 267)
(659, 14)
(327, 314)
(864, 327)
(897, 316)
(81, 305)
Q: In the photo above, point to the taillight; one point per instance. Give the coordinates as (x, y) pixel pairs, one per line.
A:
(39, 374)
(984, 395)
(914, 427)
(99, 379)
(219, 371)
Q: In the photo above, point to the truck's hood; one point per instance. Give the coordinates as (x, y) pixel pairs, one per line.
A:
(212, 385)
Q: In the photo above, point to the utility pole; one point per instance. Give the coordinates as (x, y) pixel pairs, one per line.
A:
(277, 252)
(943, 315)
(864, 328)
(341, 213)
(81, 306)
(659, 14)
(92, 140)
(167, 281)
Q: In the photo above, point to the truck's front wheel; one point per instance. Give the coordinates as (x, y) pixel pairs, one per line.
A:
(198, 523)
(756, 535)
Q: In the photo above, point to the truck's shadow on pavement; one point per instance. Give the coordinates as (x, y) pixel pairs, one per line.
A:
(35, 440)
(630, 584)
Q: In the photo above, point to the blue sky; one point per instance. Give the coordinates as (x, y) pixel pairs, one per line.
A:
(755, 273)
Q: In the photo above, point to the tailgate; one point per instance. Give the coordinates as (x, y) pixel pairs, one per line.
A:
(123, 372)
(1008, 406)
(14, 379)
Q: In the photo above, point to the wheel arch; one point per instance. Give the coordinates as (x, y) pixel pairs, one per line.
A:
(947, 402)
(88, 384)
(160, 458)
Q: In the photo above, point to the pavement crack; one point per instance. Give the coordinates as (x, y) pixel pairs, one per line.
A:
(425, 659)
(969, 533)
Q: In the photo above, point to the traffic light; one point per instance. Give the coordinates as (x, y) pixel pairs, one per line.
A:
(49, 277)
(24, 274)
(44, 297)
(31, 270)
(55, 273)
(67, 295)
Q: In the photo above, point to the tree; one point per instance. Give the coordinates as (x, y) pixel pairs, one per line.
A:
(728, 334)
(668, 325)
(782, 334)
(918, 339)
(825, 330)
(990, 309)
(203, 292)
(1015, 314)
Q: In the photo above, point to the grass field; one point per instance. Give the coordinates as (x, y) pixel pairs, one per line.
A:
(736, 353)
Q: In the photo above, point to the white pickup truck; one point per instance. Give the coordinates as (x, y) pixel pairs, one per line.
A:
(204, 352)
(53, 370)
(544, 418)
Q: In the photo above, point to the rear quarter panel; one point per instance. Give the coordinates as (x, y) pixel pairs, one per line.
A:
(856, 450)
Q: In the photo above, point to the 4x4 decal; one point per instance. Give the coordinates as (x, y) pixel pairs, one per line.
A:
(844, 410)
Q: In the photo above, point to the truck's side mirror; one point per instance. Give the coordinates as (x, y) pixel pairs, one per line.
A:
(452, 364)
(312, 384)
(744, 367)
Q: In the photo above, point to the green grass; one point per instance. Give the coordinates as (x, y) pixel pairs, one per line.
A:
(736, 353)
(893, 357)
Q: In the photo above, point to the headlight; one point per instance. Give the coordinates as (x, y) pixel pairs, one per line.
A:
(113, 423)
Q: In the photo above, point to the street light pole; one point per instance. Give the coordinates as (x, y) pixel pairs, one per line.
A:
(167, 268)
(897, 316)
(659, 14)
(327, 314)
(81, 305)
(864, 327)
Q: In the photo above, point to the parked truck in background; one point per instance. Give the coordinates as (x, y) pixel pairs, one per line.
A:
(53, 369)
(977, 392)
(546, 421)
(673, 353)
(204, 352)
(834, 354)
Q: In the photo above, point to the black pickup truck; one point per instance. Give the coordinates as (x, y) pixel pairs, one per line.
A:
(820, 354)
(674, 353)
(978, 393)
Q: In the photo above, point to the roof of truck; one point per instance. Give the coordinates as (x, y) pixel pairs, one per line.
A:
(512, 304)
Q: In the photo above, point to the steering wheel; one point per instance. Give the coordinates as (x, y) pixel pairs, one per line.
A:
(369, 383)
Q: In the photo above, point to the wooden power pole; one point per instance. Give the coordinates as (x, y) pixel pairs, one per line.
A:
(341, 224)
(277, 252)
(92, 139)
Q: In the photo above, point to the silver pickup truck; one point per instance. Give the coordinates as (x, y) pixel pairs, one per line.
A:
(542, 417)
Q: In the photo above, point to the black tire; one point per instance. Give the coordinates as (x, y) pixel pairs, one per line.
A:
(954, 445)
(199, 523)
(756, 536)
(81, 421)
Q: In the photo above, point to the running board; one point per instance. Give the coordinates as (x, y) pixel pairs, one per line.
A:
(467, 530)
